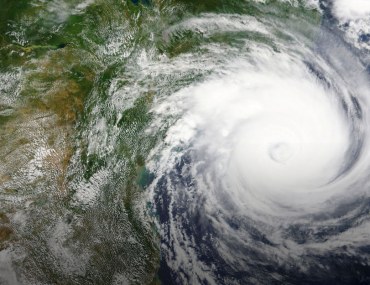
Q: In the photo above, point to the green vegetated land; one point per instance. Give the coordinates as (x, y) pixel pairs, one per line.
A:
(74, 110)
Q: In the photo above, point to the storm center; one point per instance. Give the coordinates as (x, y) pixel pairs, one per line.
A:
(280, 152)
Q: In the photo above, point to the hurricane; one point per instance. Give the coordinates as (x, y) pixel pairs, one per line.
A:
(185, 142)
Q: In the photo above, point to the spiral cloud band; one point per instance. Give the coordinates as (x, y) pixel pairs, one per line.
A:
(185, 142)
(273, 129)
(276, 131)
(266, 157)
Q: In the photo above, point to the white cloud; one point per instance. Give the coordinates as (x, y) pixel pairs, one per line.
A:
(351, 9)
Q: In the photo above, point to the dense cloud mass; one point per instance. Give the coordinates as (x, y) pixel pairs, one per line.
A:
(351, 9)
(185, 142)
(265, 169)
